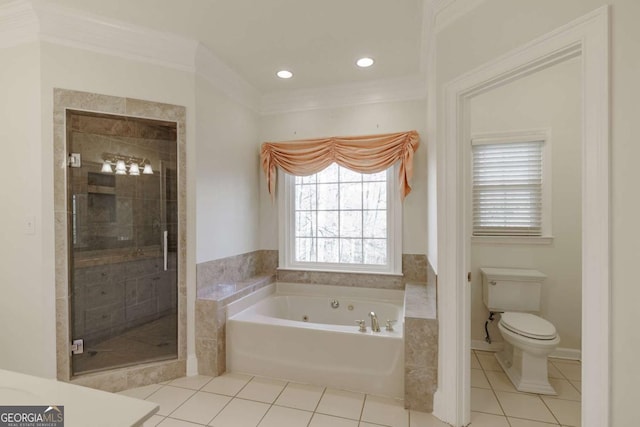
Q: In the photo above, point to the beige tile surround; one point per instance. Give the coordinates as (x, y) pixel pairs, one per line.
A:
(225, 280)
(139, 375)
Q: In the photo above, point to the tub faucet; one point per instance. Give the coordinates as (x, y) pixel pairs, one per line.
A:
(375, 326)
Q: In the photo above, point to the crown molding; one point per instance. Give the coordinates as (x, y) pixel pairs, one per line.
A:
(372, 92)
(82, 30)
(18, 24)
(448, 11)
(226, 80)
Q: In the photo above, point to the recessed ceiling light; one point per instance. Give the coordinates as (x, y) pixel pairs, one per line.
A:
(364, 62)
(284, 74)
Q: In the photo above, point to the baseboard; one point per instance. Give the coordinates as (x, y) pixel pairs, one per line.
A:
(559, 353)
(485, 346)
(567, 353)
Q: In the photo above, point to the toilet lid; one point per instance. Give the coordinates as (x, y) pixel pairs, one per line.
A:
(529, 325)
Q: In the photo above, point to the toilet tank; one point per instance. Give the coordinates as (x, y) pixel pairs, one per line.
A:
(511, 289)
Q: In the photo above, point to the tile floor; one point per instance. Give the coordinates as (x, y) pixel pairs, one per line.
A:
(495, 402)
(151, 341)
(237, 400)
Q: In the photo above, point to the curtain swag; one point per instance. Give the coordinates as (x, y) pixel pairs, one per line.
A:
(364, 154)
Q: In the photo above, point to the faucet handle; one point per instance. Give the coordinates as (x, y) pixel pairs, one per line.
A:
(390, 325)
(362, 324)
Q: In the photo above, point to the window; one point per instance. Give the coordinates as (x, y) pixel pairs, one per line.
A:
(340, 220)
(508, 186)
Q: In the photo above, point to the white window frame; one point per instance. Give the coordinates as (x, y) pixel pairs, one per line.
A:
(535, 135)
(286, 209)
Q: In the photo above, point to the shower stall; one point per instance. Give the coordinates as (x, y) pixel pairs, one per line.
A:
(122, 195)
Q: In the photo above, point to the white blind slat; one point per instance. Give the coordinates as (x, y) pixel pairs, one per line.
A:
(507, 189)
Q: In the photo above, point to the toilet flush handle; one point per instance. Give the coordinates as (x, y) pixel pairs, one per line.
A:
(493, 282)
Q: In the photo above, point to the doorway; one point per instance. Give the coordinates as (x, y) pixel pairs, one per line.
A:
(524, 192)
(588, 36)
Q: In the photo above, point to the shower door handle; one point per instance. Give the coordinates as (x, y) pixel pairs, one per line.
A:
(165, 235)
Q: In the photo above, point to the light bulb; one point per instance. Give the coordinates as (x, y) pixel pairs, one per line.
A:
(121, 168)
(147, 169)
(106, 167)
(364, 62)
(134, 169)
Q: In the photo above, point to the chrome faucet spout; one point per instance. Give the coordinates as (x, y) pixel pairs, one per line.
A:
(375, 326)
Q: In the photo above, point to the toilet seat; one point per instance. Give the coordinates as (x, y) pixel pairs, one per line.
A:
(529, 326)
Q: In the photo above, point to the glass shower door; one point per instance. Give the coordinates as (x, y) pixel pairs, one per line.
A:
(122, 187)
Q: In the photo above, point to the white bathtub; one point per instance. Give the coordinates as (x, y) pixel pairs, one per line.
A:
(267, 335)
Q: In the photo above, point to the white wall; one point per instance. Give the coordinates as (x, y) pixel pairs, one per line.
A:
(497, 26)
(28, 264)
(356, 120)
(25, 284)
(547, 100)
(228, 168)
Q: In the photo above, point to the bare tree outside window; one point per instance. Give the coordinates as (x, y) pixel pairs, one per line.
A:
(341, 217)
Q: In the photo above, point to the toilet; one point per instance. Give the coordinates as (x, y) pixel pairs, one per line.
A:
(528, 339)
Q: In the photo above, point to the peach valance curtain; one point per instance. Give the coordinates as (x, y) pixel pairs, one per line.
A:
(364, 154)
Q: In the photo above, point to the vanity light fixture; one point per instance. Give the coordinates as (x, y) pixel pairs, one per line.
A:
(365, 62)
(125, 164)
(284, 74)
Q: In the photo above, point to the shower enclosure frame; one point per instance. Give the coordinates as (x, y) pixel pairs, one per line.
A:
(146, 372)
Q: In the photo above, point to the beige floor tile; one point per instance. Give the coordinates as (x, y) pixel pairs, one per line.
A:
(300, 396)
(500, 381)
(564, 389)
(365, 424)
(341, 403)
(169, 398)
(525, 406)
(153, 421)
(478, 379)
(382, 410)
(488, 361)
(423, 419)
(240, 413)
(201, 408)
(570, 369)
(321, 420)
(262, 389)
(279, 416)
(577, 385)
(141, 392)
(172, 422)
(227, 384)
(479, 419)
(195, 382)
(566, 411)
(475, 364)
(553, 372)
(483, 400)
(518, 422)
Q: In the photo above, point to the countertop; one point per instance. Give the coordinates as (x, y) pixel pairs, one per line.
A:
(82, 406)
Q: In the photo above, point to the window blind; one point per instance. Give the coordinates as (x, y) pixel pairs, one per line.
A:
(507, 189)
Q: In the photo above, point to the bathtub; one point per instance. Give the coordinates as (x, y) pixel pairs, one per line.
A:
(291, 331)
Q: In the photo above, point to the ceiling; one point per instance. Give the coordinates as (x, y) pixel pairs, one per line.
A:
(317, 40)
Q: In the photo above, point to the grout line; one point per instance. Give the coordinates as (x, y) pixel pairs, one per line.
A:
(364, 402)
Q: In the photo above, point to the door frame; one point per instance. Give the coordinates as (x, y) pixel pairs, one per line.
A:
(588, 38)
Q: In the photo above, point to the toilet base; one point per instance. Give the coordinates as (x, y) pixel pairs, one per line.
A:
(527, 372)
